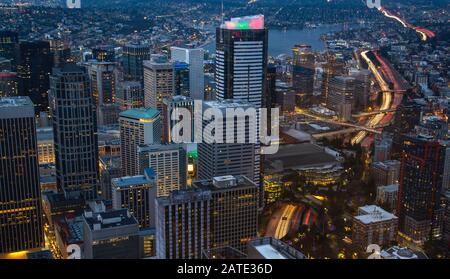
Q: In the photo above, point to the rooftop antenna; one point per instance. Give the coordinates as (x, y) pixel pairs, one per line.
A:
(221, 14)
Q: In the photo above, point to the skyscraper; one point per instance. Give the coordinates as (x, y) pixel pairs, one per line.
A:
(421, 175)
(34, 68)
(241, 65)
(133, 57)
(169, 161)
(9, 46)
(194, 58)
(219, 159)
(158, 81)
(334, 66)
(214, 213)
(104, 53)
(241, 59)
(8, 84)
(20, 197)
(303, 74)
(181, 78)
(103, 88)
(137, 194)
(137, 127)
(75, 131)
(341, 96)
(130, 95)
(169, 105)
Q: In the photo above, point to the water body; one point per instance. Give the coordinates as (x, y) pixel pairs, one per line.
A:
(282, 41)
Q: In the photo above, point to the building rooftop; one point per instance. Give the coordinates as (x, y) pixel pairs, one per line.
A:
(274, 249)
(389, 188)
(402, 253)
(17, 101)
(386, 164)
(244, 23)
(127, 181)
(223, 182)
(226, 103)
(140, 113)
(373, 214)
(109, 219)
(297, 156)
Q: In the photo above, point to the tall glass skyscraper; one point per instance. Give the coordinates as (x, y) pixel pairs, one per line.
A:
(75, 131)
(20, 196)
(35, 66)
(133, 56)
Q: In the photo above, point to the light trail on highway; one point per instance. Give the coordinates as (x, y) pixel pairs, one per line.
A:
(285, 221)
(425, 34)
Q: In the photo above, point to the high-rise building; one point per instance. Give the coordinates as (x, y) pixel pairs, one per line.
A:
(61, 52)
(9, 47)
(34, 68)
(103, 88)
(240, 72)
(137, 127)
(130, 95)
(241, 59)
(133, 57)
(75, 131)
(340, 96)
(234, 210)
(421, 174)
(382, 148)
(169, 105)
(181, 79)
(373, 225)
(169, 161)
(194, 58)
(110, 234)
(362, 88)
(8, 84)
(137, 194)
(215, 213)
(303, 74)
(334, 66)
(20, 197)
(158, 81)
(183, 224)
(270, 98)
(269, 248)
(219, 159)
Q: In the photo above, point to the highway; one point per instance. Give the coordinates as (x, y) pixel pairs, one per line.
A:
(285, 222)
(386, 101)
(424, 33)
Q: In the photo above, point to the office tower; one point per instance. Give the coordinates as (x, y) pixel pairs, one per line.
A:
(103, 88)
(285, 96)
(75, 131)
(169, 161)
(20, 197)
(421, 175)
(137, 194)
(241, 59)
(133, 57)
(9, 47)
(61, 52)
(110, 234)
(104, 54)
(269, 248)
(194, 58)
(181, 78)
(340, 96)
(303, 74)
(219, 159)
(169, 105)
(130, 95)
(183, 224)
(270, 98)
(373, 225)
(446, 176)
(137, 127)
(362, 88)
(214, 213)
(34, 68)
(385, 172)
(234, 210)
(334, 66)
(158, 81)
(382, 148)
(8, 84)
